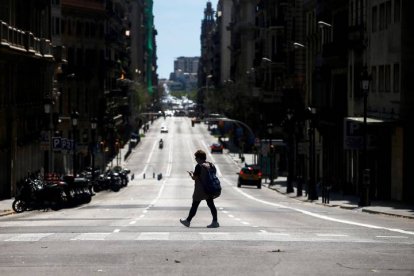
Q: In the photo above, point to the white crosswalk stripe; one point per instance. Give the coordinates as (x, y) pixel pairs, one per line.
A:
(29, 237)
(261, 235)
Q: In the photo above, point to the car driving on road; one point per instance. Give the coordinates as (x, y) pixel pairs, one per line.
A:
(164, 129)
(250, 175)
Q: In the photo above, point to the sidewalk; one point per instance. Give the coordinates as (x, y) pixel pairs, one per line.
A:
(6, 204)
(6, 207)
(391, 208)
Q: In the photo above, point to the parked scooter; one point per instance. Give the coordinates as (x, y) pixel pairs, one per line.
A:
(33, 193)
(77, 190)
(108, 181)
(123, 174)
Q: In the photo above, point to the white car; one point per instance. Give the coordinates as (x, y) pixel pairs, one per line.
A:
(164, 129)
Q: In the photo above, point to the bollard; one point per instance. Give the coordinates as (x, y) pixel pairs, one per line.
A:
(144, 175)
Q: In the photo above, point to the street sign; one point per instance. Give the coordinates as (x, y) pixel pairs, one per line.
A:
(56, 143)
(353, 134)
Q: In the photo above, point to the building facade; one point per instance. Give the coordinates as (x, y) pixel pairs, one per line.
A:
(26, 79)
(300, 64)
(67, 59)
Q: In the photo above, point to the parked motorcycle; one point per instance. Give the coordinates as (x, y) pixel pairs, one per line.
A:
(109, 180)
(77, 190)
(161, 144)
(87, 173)
(123, 174)
(34, 193)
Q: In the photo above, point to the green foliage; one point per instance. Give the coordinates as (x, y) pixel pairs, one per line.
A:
(192, 95)
(141, 96)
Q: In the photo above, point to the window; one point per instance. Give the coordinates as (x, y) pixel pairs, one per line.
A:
(397, 11)
(78, 28)
(388, 13)
(382, 17)
(351, 13)
(93, 30)
(374, 19)
(381, 79)
(69, 24)
(87, 24)
(79, 57)
(358, 7)
(350, 81)
(63, 27)
(374, 79)
(387, 78)
(57, 26)
(396, 79)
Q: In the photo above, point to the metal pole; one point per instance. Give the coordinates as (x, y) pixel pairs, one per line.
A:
(364, 152)
(312, 194)
(74, 151)
(290, 163)
(365, 194)
(270, 161)
(50, 165)
(93, 155)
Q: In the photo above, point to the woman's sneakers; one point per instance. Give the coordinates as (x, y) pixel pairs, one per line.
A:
(185, 222)
(214, 224)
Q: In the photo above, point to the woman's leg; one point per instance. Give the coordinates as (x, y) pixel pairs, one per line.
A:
(210, 204)
(193, 209)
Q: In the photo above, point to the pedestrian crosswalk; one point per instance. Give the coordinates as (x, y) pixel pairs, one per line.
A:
(196, 236)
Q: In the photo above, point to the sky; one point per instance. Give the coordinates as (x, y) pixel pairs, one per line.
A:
(178, 24)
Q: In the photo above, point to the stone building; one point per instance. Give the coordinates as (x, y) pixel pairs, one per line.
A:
(26, 80)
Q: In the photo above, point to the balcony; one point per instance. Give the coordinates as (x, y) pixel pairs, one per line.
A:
(60, 54)
(4, 34)
(24, 42)
(46, 48)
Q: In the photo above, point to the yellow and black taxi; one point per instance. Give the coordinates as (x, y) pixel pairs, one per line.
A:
(250, 175)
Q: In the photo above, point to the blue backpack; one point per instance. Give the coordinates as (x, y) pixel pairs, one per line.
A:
(211, 183)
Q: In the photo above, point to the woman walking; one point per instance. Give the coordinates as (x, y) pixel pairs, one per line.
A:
(199, 193)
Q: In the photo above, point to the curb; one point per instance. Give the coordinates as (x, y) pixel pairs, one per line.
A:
(345, 207)
(387, 214)
(6, 213)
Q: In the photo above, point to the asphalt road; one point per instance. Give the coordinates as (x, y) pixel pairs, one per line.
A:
(137, 231)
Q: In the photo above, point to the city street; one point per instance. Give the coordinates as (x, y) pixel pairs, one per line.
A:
(136, 231)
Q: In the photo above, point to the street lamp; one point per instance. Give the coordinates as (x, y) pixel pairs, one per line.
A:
(270, 152)
(94, 124)
(365, 198)
(74, 119)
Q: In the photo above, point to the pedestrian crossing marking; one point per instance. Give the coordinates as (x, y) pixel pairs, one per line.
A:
(331, 235)
(148, 236)
(261, 235)
(392, 237)
(91, 237)
(29, 237)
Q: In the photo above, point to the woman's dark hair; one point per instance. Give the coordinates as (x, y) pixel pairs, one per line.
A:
(200, 155)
